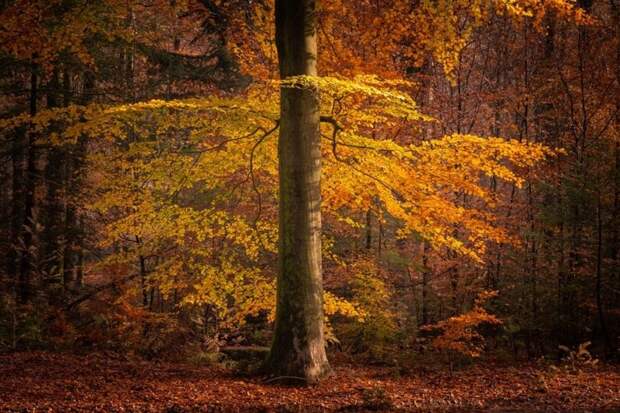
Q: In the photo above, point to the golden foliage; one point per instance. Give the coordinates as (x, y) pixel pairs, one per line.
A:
(194, 182)
(459, 333)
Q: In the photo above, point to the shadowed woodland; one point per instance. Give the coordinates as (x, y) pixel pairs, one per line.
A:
(271, 205)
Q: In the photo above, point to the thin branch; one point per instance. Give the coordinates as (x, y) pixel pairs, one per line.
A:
(259, 198)
(336, 128)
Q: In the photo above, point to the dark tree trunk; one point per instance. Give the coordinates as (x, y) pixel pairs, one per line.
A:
(614, 244)
(426, 278)
(599, 278)
(369, 229)
(74, 258)
(25, 265)
(17, 204)
(53, 237)
(298, 348)
(69, 235)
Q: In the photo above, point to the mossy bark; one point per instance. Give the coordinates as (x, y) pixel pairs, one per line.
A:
(298, 348)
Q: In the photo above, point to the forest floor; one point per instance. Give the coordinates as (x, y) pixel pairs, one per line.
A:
(41, 382)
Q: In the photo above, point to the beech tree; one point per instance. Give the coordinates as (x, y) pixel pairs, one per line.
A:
(203, 162)
(298, 349)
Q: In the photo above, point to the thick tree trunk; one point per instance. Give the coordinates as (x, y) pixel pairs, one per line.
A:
(298, 349)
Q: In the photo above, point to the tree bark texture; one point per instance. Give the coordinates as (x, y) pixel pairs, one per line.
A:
(298, 348)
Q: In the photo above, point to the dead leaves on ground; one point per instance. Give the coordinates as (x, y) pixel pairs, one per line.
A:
(41, 382)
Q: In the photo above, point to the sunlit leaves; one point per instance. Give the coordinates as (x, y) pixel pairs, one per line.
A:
(459, 333)
(192, 183)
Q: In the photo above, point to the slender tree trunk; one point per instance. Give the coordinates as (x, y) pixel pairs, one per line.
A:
(69, 219)
(17, 203)
(25, 266)
(143, 280)
(369, 229)
(79, 269)
(380, 239)
(426, 278)
(74, 221)
(599, 276)
(614, 244)
(298, 348)
(53, 238)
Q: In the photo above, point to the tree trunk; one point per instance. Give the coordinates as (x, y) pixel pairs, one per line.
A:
(17, 204)
(75, 179)
(426, 278)
(369, 229)
(25, 266)
(53, 238)
(599, 278)
(298, 348)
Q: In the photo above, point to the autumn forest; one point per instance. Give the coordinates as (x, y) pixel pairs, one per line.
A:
(309, 205)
